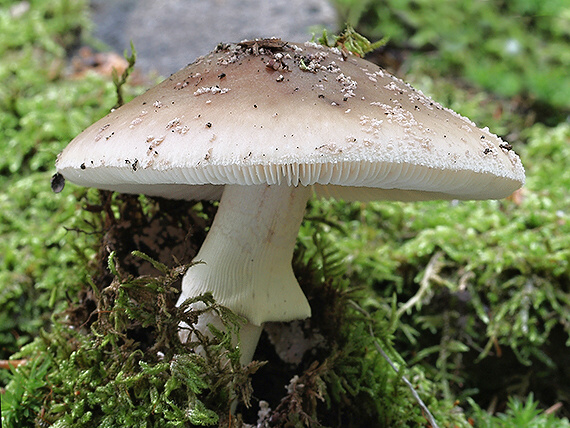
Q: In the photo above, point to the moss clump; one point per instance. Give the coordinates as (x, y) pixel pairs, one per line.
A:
(482, 286)
(113, 357)
(41, 109)
(105, 377)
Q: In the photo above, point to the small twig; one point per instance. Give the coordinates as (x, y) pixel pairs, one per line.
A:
(431, 272)
(422, 405)
(554, 408)
(119, 81)
(493, 405)
(8, 364)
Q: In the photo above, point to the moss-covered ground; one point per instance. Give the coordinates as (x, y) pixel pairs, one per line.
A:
(470, 300)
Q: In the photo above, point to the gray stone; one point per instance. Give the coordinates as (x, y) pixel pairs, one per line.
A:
(168, 34)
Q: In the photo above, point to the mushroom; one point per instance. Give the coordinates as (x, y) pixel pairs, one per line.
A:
(262, 125)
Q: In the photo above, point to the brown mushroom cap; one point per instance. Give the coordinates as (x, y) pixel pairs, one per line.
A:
(270, 112)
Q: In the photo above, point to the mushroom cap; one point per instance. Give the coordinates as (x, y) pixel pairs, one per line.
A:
(271, 112)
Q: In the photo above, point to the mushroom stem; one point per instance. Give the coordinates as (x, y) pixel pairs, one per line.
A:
(246, 257)
(249, 334)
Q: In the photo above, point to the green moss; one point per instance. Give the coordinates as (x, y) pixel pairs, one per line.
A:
(104, 377)
(40, 111)
(351, 41)
(121, 361)
(519, 414)
(494, 276)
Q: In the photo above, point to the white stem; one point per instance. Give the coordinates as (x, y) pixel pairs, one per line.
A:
(249, 333)
(246, 257)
